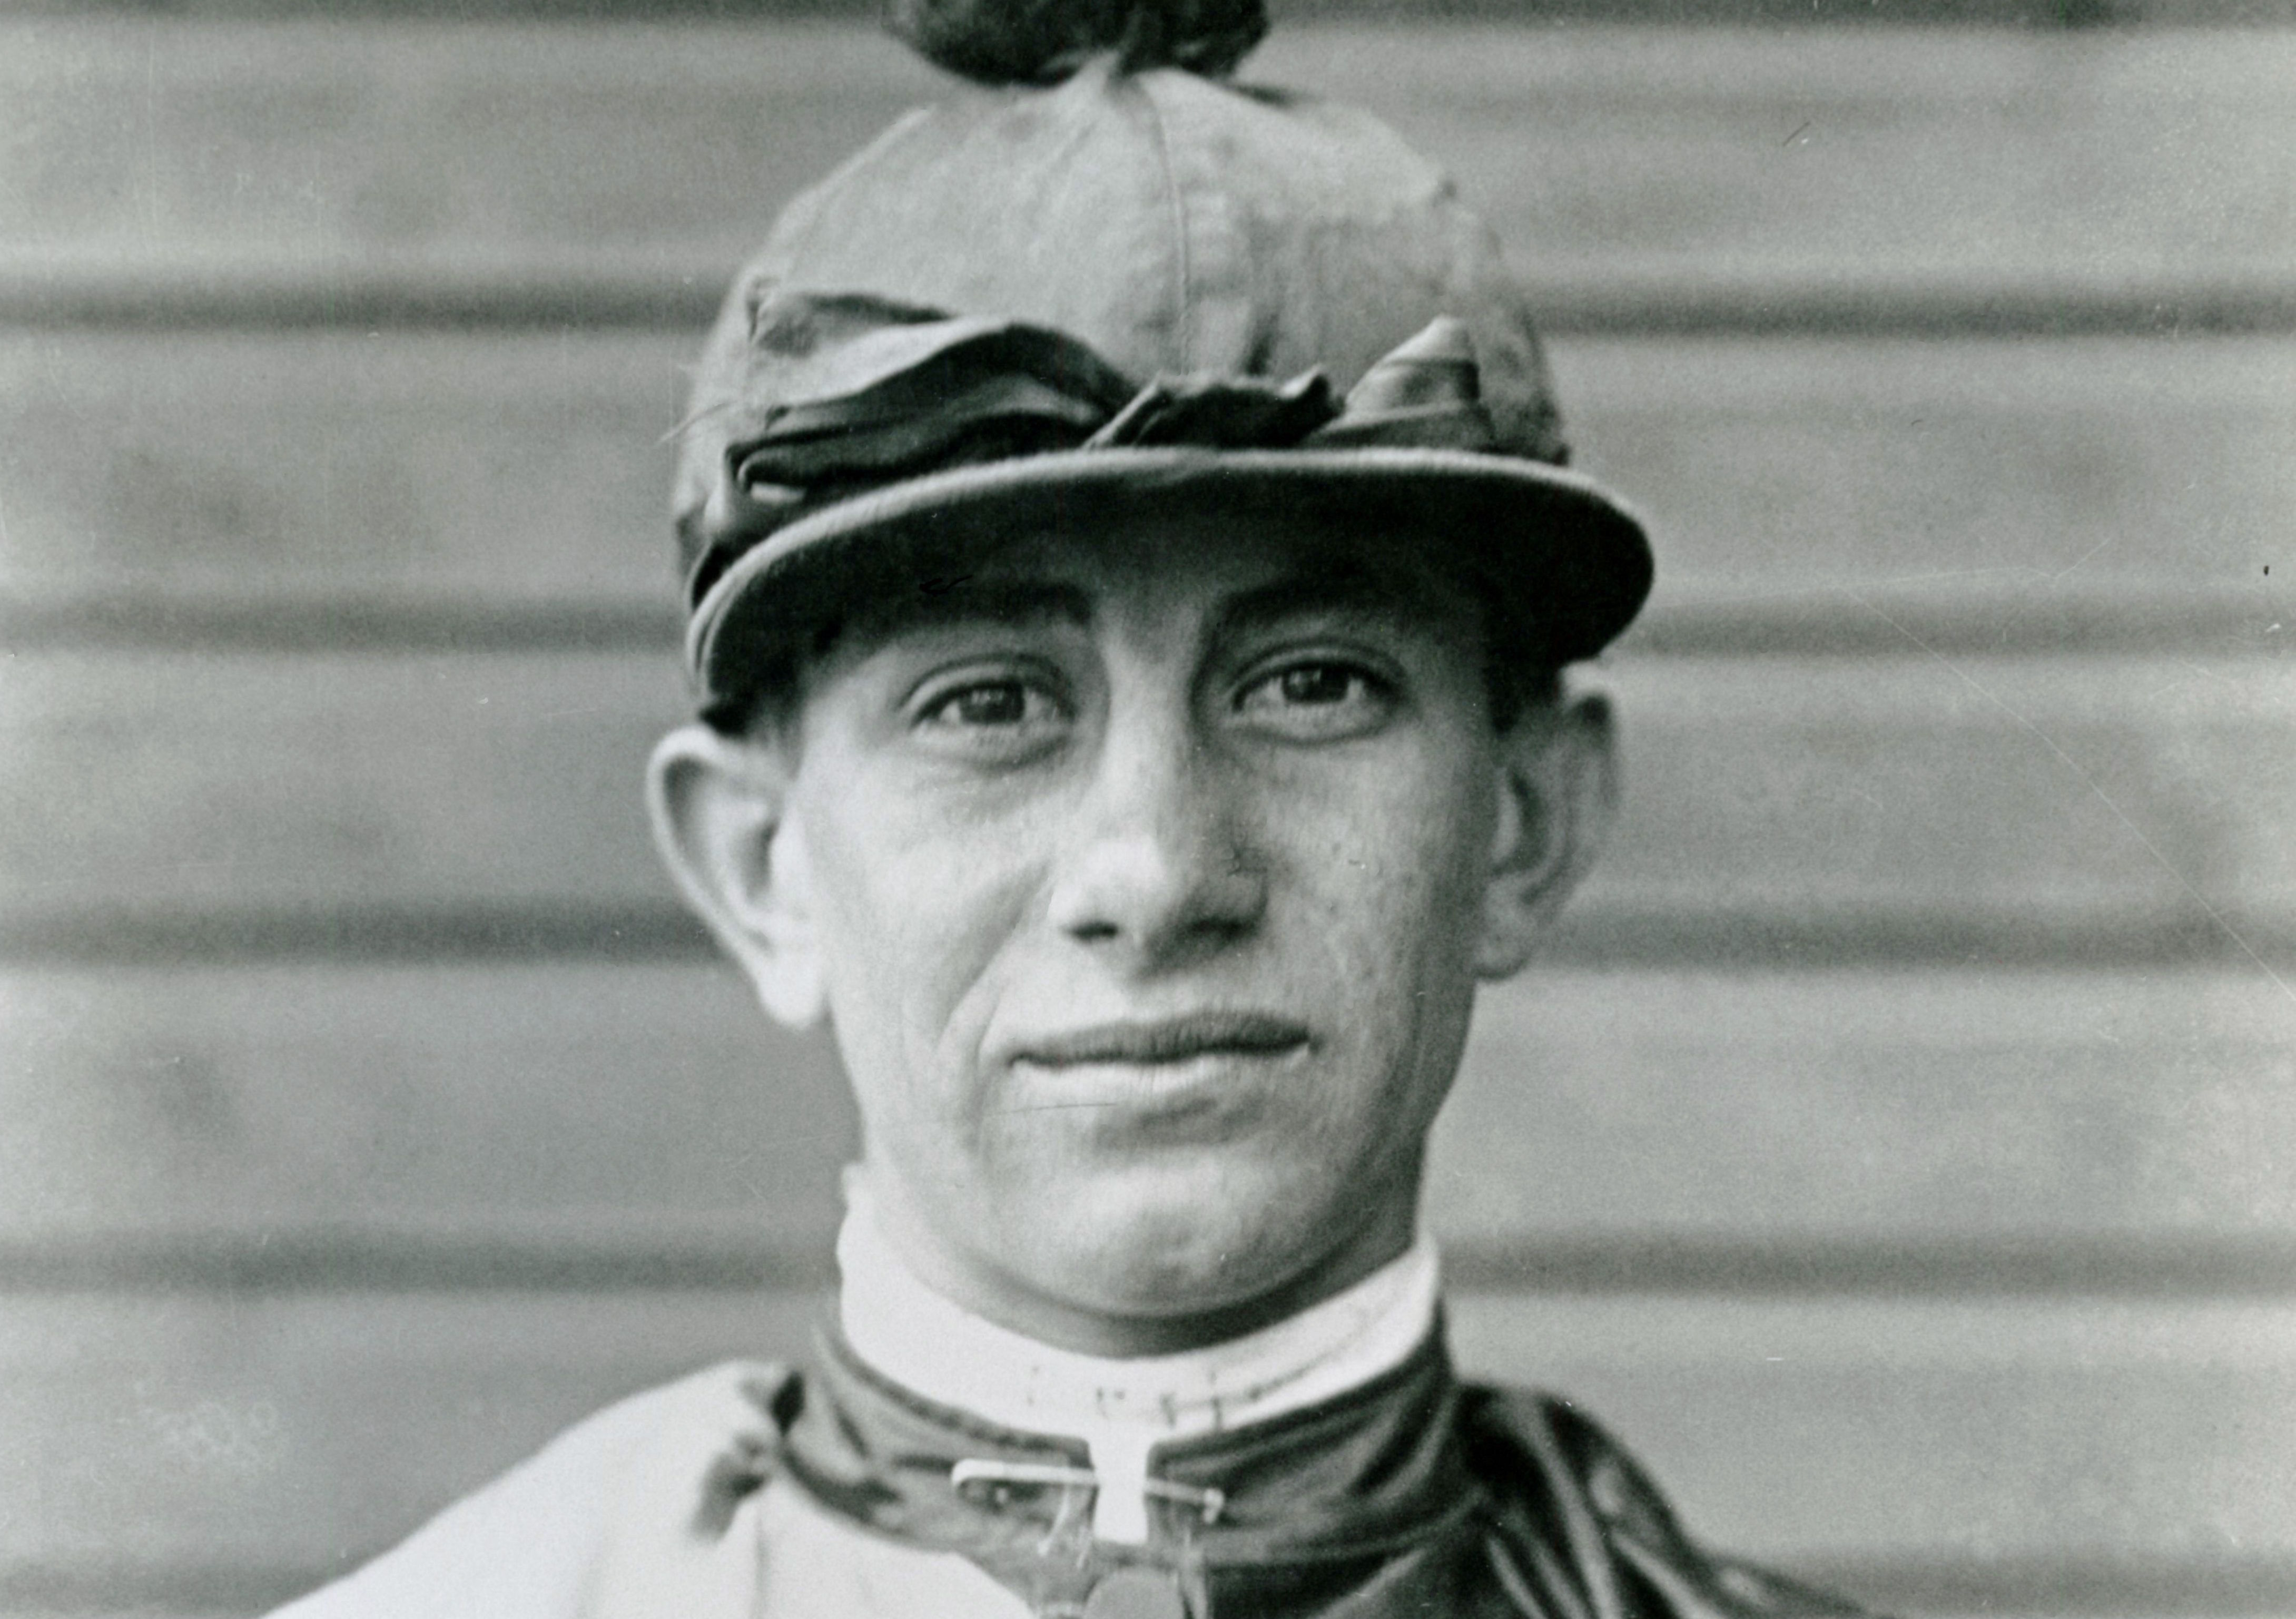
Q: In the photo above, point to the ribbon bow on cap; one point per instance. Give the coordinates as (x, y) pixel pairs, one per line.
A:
(858, 392)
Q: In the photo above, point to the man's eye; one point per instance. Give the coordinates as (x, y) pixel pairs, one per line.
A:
(1320, 683)
(1006, 708)
(1005, 702)
(1318, 699)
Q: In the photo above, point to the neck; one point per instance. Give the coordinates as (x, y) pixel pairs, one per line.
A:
(1122, 1406)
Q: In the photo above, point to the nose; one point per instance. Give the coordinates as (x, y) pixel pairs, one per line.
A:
(1158, 866)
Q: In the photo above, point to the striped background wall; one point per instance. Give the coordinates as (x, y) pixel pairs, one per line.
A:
(1898, 1146)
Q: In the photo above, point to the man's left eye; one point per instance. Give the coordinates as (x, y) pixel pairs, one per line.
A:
(1319, 698)
(1320, 683)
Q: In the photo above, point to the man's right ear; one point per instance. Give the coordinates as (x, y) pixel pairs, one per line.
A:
(720, 808)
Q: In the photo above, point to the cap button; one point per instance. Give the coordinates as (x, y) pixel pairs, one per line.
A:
(1136, 1593)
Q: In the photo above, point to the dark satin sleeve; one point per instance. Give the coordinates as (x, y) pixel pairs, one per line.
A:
(1580, 1531)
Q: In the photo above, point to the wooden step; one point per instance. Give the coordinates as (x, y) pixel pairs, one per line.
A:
(1809, 1133)
(1653, 171)
(2032, 808)
(239, 486)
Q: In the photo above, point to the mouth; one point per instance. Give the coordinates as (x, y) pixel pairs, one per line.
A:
(1169, 1040)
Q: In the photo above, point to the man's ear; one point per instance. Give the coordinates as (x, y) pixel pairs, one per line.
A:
(1558, 793)
(720, 807)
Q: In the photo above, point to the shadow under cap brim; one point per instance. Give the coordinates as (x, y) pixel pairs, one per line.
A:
(1564, 565)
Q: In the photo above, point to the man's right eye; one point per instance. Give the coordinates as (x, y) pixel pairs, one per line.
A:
(1002, 711)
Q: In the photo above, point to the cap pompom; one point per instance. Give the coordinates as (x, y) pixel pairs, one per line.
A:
(1041, 42)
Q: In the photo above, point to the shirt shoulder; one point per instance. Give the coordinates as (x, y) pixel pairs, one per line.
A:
(539, 1542)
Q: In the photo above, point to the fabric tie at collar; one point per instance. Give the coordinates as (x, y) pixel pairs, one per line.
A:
(1271, 1519)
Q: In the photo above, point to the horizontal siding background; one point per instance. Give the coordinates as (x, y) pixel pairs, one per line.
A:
(1898, 1146)
(1788, 1130)
(480, 472)
(202, 168)
(1904, 803)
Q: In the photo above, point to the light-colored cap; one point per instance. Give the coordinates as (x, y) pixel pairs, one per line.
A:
(1140, 288)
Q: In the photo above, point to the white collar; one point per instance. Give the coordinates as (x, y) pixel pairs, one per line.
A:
(1121, 1408)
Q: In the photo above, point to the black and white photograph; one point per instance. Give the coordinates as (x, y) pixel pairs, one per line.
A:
(1148, 809)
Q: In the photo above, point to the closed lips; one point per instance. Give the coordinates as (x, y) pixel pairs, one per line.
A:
(1176, 1039)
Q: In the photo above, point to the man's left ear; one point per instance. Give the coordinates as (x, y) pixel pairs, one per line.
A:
(1558, 794)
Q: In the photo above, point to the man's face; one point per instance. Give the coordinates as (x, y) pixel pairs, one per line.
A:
(1144, 877)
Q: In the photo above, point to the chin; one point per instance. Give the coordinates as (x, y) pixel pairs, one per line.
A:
(1165, 1246)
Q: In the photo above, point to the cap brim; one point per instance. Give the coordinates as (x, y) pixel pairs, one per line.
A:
(1566, 564)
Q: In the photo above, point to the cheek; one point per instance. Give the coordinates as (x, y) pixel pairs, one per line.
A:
(1386, 873)
(1393, 859)
(913, 916)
